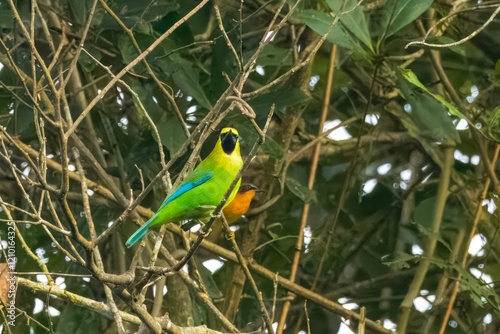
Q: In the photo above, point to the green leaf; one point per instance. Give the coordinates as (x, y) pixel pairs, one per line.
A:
(77, 320)
(272, 148)
(399, 13)
(127, 49)
(353, 19)
(428, 233)
(480, 292)
(282, 97)
(272, 55)
(187, 78)
(137, 14)
(427, 111)
(300, 190)
(6, 21)
(80, 9)
(208, 280)
(411, 77)
(401, 259)
(86, 62)
(322, 23)
(171, 132)
(493, 128)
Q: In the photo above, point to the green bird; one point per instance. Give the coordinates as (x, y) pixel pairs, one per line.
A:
(203, 189)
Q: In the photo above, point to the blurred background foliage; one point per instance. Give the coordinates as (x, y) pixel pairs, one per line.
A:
(399, 109)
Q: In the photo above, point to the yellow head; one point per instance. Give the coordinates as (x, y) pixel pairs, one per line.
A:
(230, 141)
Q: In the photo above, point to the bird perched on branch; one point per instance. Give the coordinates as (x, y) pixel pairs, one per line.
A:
(234, 210)
(240, 203)
(203, 189)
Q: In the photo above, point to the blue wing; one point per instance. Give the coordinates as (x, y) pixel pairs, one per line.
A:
(186, 186)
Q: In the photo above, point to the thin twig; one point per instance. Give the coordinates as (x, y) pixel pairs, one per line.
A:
(477, 218)
(310, 185)
(442, 195)
(131, 65)
(461, 41)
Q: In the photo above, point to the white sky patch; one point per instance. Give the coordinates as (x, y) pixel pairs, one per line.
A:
(338, 134)
(270, 36)
(189, 98)
(474, 92)
(40, 252)
(53, 312)
(462, 125)
(389, 325)
(1, 66)
(275, 326)
(60, 282)
(491, 205)
(344, 329)
(350, 306)
(475, 159)
(384, 169)
(372, 119)
(369, 185)
(90, 192)
(191, 109)
(407, 108)
(234, 228)
(71, 168)
(405, 175)
(50, 156)
(213, 265)
(38, 306)
(195, 228)
(476, 245)
(403, 185)
(26, 171)
(480, 275)
(488, 319)
(110, 223)
(461, 157)
(416, 250)
(307, 237)
(86, 279)
(164, 290)
(313, 81)
(260, 70)
(421, 304)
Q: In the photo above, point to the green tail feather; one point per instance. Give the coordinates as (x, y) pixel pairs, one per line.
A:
(141, 232)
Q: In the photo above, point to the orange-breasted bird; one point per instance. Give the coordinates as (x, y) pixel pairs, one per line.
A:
(234, 210)
(240, 204)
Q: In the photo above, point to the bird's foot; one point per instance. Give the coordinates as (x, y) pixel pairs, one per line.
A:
(230, 235)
